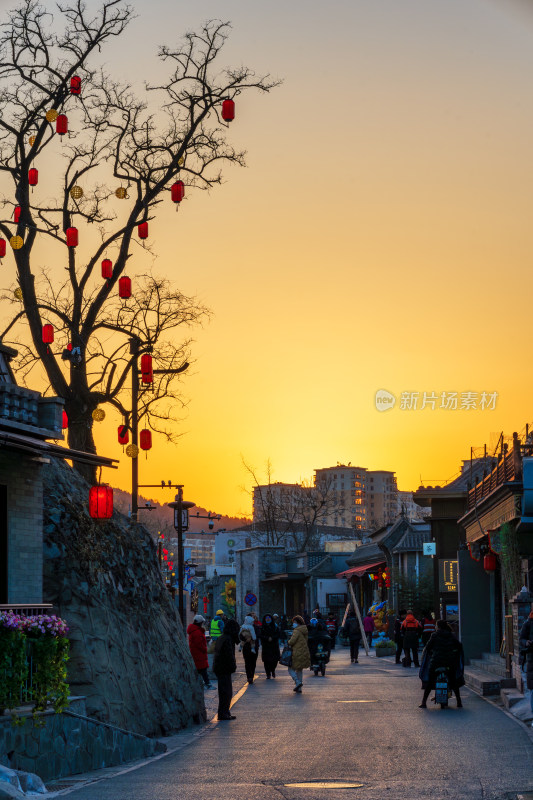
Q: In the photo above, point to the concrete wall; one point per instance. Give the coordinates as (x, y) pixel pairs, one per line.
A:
(22, 477)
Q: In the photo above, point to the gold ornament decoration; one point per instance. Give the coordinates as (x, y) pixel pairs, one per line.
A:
(98, 414)
(76, 192)
(16, 242)
(121, 193)
(51, 115)
(181, 161)
(132, 451)
(31, 140)
(18, 293)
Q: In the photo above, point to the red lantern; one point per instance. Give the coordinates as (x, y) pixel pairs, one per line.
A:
(165, 551)
(123, 434)
(3, 245)
(228, 110)
(205, 602)
(101, 502)
(62, 124)
(69, 346)
(147, 372)
(64, 422)
(177, 191)
(145, 439)
(48, 333)
(143, 230)
(75, 84)
(124, 287)
(107, 268)
(16, 214)
(489, 562)
(33, 176)
(72, 237)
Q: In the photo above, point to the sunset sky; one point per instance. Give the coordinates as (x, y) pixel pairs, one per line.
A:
(380, 238)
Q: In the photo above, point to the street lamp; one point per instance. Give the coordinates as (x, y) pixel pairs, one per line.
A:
(181, 524)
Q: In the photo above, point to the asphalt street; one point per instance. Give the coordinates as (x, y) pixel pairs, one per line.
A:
(361, 725)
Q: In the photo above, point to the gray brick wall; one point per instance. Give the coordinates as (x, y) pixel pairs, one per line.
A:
(22, 476)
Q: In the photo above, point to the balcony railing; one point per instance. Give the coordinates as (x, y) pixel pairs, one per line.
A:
(27, 610)
(508, 469)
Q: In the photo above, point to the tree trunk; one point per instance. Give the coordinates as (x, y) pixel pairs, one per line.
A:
(80, 436)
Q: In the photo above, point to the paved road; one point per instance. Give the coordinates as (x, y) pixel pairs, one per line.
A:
(381, 740)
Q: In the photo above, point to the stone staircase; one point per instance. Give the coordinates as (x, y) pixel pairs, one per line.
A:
(487, 675)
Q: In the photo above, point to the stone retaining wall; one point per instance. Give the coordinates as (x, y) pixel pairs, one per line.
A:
(69, 743)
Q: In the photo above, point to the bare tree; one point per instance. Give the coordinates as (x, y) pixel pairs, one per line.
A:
(119, 162)
(289, 514)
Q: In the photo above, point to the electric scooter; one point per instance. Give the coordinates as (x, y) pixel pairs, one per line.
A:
(442, 687)
(320, 659)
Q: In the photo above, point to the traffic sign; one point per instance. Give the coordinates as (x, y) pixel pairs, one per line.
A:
(250, 599)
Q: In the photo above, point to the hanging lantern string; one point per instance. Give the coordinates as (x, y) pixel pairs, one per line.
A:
(100, 475)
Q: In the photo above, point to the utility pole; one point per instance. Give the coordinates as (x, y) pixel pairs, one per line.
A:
(135, 348)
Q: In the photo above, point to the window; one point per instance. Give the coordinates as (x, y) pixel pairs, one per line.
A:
(358, 502)
(336, 600)
(358, 483)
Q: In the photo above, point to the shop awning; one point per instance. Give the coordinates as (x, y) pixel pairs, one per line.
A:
(357, 572)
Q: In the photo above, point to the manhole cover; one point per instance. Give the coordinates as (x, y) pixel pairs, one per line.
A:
(324, 785)
(357, 701)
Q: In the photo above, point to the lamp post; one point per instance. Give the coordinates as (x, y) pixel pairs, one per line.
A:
(180, 505)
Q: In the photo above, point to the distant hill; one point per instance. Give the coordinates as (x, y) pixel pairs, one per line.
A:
(162, 517)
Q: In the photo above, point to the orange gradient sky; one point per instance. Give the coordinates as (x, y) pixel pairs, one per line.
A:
(380, 238)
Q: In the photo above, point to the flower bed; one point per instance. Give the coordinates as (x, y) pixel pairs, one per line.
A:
(33, 661)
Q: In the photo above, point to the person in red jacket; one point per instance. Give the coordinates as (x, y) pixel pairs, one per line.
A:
(411, 629)
(198, 647)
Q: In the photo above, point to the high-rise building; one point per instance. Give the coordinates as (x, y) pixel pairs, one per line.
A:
(363, 499)
(347, 486)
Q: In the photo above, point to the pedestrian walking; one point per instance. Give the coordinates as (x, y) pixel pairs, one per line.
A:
(198, 648)
(526, 654)
(398, 633)
(301, 658)
(248, 640)
(257, 629)
(224, 665)
(217, 625)
(443, 650)
(428, 628)
(283, 628)
(411, 631)
(352, 630)
(269, 645)
(370, 626)
(332, 627)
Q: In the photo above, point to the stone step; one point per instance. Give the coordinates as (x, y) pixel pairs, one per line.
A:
(511, 697)
(493, 658)
(485, 682)
(498, 670)
(482, 682)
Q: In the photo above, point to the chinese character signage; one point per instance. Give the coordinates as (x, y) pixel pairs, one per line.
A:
(447, 575)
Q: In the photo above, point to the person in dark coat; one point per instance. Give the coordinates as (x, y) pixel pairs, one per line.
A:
(526, 648)
(318, 635)
(198, 647)
(224, 666)
(269, 645)
(353, 631)
(442, 650)
(332, 627)
(398, 633)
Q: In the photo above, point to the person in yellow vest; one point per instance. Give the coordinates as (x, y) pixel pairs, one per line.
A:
(217, 625)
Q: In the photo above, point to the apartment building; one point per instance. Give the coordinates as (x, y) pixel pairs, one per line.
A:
(347, 485)
(362, 499)
(274, 497)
